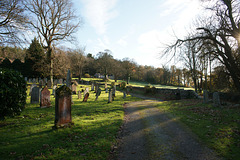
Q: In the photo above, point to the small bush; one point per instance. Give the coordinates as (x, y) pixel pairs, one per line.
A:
(12, 93)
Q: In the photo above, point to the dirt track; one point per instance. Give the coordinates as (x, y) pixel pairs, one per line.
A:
(149, 134)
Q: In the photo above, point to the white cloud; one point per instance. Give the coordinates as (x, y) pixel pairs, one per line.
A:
(99, 13)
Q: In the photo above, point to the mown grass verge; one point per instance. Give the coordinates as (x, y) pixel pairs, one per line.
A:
(96, 124)
(218, 127)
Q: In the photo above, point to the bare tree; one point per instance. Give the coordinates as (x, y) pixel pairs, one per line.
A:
(53, 20)
(12, 21)
(221, 31)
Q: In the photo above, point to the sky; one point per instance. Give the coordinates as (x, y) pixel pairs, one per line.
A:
(134, 29)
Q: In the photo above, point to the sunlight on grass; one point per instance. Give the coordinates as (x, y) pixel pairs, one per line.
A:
(96, 124)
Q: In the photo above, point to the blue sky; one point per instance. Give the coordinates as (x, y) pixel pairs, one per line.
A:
(137, 29)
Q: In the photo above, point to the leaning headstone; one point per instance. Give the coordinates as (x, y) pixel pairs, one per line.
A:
(205, 96)
(216, 99)
(110, 96)
(45, 98)
(63, 116)
(74, 89)
(35, 95)
(69, 79)
(98, 93)
(86, 97)
(79, 95)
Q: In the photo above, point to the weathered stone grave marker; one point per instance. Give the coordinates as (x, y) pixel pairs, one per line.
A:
(74, 89)
(54, 90)
(63, 115)
(45, 98)
(92, 86)
(205, 96)
(41, 83)
(98, 93)
(35, 95)
(49, 84)
(86, 97)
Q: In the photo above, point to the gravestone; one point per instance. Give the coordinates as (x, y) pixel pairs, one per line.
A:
(205, 96)
(74, 89)
(54, 90)
(68, 83)
(45, 80)
(63, 104)
(33, 85)
(110, 96)
(49, 84)
(92, 86)
(41, 83)
(35, 95)
(98, 93)
(45, 98)
(79, 95)
(86, 97)
(34, 80)
(26, 79)
(96, 88)
(55, 82)
(216, 99)
(85, 92)
(60, 81)
(30, 80)
(106, 90)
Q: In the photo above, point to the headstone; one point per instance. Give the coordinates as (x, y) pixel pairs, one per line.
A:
(79, 95)
(86, 97)
(26, 79)
(30, 80)
(35, 95)
(96, 88)
(55, 82)
(69, 79)
(106, 90)
(98, 93)
(110, 96)
(54, 90)
(92, 87)
(216, 99)
(45, 98)
(33, 85)
(45, 80)
(41, 83)
(74, 89)
(34, 80)
(205, 96)
(85, 92)
(49, 84)
(63, 107)
(60, 81)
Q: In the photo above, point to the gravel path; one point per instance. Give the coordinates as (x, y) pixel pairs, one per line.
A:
(149, 134)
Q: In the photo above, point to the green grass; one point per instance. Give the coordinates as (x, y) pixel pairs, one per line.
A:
(96, 124)
(218, 127)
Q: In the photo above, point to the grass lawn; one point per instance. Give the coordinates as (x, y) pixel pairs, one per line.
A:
(218, 127)
(96, 124)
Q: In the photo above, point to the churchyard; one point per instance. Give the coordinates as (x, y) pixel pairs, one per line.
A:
(95, 124)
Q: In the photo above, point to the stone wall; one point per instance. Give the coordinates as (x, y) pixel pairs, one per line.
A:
(170, 94)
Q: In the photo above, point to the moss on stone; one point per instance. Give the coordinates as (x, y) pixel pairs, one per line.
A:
(63, 90)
